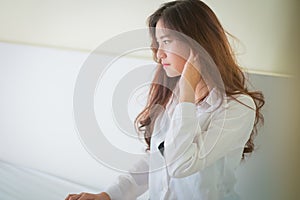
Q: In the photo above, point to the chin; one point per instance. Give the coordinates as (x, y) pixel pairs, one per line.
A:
(172, 74)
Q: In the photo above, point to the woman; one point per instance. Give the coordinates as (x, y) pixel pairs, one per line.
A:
(209, 117)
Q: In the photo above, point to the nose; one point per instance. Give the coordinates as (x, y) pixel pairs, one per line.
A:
(160, 54)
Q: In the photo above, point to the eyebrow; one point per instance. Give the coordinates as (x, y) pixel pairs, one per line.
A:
(164, 36)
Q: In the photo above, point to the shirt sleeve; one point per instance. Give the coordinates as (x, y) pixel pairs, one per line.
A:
(189, 149)
(133, 184)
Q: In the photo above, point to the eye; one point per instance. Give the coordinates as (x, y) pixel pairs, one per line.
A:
(166, 41)
(163, 42)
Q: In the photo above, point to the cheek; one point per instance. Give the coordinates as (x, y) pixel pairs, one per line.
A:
(181, 56)
(179, 64)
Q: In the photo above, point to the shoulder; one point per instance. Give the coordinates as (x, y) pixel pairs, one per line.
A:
(240, 105)
(242, 100)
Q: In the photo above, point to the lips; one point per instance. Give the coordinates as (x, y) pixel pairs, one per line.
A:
(165, 64)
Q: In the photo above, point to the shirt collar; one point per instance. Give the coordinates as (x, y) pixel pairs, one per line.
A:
(212, 101)
(213, 97)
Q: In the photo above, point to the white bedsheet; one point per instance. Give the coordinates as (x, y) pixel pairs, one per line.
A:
(21, 183)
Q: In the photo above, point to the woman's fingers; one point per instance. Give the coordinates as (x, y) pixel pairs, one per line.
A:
(69, 196)
(193, 58)
(189, 79)
(88, 196)
(191, 72)
(74, 196)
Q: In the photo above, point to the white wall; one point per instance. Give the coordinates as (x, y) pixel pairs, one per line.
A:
(268, 29)
(267, 32)
(37, 127)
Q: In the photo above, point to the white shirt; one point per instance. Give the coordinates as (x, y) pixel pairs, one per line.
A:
(203, 145)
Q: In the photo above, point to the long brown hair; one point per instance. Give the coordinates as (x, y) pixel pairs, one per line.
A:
(196, 20)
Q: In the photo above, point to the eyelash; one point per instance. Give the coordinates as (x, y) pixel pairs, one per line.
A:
(165, 41)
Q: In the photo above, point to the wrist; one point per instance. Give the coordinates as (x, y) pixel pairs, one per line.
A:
(105, 196)
(186, 93)
(187, 97)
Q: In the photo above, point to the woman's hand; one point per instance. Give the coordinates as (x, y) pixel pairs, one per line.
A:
(189, 79)
(88, 196)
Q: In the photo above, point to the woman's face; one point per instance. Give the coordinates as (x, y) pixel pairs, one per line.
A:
(171, 52)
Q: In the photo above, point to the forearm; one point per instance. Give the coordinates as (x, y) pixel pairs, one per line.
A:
(187, 92)
(193, 91)
(189, 148)
(131, 185)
